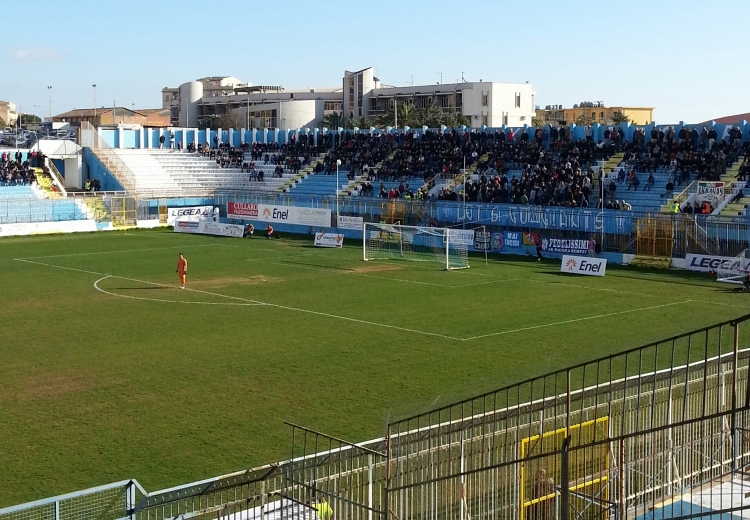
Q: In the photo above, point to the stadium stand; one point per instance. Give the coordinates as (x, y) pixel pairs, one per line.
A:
(28, 194)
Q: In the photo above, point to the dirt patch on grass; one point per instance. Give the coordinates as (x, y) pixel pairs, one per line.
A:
(226, 281)
(377, 268)
(49, 386)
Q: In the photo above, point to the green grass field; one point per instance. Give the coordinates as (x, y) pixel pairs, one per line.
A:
(109, 371)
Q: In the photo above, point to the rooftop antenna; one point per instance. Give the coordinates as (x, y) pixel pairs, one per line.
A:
(462, 77)
(441, 77)
(412, 80)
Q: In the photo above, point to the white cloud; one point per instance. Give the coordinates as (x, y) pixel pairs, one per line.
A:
(39, 54)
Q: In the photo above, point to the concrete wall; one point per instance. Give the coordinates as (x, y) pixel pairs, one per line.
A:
(190, 96)
(97, 170)
(149, 137)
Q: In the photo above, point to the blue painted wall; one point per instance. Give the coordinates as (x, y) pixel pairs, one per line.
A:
(98, 171)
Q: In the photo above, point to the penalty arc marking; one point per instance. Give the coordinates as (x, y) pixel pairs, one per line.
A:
(131, 297)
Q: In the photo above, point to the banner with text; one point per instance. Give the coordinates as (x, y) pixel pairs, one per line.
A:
(711, 191)
(279, 214)
(193, 213)
(565, 246)
(346, 222)
(462, 237)
(329, 240)
(583, 265)
(209, 227)
(707, 263)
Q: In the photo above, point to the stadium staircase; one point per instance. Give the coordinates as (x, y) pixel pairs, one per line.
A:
(303, 173)
(734, 208)
(356, 183)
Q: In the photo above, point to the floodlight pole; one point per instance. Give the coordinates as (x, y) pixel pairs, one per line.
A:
(464, 219)
(338, 163)
(94, 85)
(601, 187)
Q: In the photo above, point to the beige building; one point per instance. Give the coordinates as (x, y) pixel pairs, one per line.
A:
(8, 113)
(150, 117)
(593, 112)
(213, 86)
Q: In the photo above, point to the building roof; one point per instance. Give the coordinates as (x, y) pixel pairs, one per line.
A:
(89, 112)
(729, 120)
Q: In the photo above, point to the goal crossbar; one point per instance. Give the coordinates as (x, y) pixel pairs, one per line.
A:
(735, 270)
(415, 243)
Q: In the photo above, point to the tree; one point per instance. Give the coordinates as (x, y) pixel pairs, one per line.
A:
(29, 119)
(584, 120)
(406, 116)
(2, 123)
(332, 121)
(229, 121)
(618, 117)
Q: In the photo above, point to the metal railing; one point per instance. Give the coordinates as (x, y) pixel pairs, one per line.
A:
(90, 138)
(108, 502)
(20, 211)
(57, 178)
(612, 438)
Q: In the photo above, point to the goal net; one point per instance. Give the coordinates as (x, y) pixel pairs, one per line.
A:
(415, 243)
(734, 271)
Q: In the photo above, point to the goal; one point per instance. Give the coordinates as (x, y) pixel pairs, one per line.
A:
(734, 271)
(415, 243)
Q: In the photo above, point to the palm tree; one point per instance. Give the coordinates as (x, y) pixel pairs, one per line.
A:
(406, 116)
(332, 121)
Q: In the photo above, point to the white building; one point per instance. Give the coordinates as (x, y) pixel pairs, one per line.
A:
(361, 95)
(8, 113)
(212, 86)
(485, 103)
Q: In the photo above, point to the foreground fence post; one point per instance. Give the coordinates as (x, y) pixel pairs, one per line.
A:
(565, 479)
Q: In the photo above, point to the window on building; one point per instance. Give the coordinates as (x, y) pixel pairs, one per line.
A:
(485, 120)
(505, 118)
(601, 116)
(518, 100)
(485, 99)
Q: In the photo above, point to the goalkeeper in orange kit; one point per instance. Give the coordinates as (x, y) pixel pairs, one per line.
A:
(182, 270)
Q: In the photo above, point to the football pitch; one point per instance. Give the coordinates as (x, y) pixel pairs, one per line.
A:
(109, 371)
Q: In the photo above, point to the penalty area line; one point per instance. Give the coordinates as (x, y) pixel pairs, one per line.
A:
(565, 322)
(255, 302)
(116, 251)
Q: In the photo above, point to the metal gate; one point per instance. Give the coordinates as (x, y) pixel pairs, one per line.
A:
(124, 211)
(654, 237)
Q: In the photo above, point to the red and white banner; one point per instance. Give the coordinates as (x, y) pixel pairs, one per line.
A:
(329, 240)
(242, 210)
(316, 217)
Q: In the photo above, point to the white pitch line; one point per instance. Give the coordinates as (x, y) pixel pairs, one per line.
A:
(117, 251)
(351, 271)
(96, 286)
(263, 304)
(575, 320)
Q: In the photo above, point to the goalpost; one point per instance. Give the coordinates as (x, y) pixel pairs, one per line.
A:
(415, 243)
(736, 270)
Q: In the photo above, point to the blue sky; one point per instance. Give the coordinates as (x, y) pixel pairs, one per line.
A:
(689, 59)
